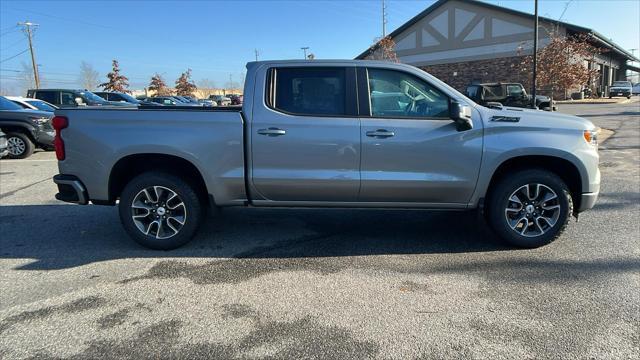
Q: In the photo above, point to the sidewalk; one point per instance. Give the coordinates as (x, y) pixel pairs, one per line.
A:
(620, 100)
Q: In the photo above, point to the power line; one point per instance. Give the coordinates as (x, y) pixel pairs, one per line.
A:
(8, 32)
(12, 45)
(11, 57)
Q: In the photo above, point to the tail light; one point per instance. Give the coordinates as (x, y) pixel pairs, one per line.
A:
(59, 123)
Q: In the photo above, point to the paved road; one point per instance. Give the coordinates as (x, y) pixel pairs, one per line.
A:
(322, 283)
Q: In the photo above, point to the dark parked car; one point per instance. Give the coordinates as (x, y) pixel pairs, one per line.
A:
(621, 88)
(507, 94)
(236, 99)
(65, 98)
(25, 129)
(123, 98)
(4, 150)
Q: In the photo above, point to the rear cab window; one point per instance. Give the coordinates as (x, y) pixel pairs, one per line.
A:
(312, 91)
(48, 96)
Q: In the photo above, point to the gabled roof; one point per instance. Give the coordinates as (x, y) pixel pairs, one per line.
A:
(576, 28)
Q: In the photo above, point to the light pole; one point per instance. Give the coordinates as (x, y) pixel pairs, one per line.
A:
(27, 28)
(305, 48)
(535, 58)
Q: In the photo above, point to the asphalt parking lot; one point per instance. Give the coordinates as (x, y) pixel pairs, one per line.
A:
(322, 283)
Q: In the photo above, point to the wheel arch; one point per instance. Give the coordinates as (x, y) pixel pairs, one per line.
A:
(130, 166)
(564, 168)
(22, 128)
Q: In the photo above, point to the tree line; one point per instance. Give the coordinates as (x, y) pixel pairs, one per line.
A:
(117, 82)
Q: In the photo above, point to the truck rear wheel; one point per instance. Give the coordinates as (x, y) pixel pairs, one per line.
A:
(530, 208)
(160, 211)
(19, 145)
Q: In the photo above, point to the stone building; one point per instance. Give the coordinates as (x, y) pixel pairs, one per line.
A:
(464, 41)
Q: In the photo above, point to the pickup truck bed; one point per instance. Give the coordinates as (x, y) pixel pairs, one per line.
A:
(330, 134)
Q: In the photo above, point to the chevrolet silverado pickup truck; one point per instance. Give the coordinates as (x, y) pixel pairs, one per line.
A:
(357, 134)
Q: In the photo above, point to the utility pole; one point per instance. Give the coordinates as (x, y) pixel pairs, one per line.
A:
(535, 58)
(27, 28)
(305, 48)
(257, 53)
(384, 19)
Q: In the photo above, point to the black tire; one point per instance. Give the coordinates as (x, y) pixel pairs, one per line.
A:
(498, 201)
(193, 210)
(20, 146)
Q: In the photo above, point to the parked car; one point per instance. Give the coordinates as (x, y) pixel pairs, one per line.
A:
(170, 101)
(221, 100)
(65, 98)
(4, 147)
(313, 134)
(25, 129)
(207, 102)
(32, 104)
(621, 88)
(124, 98)
(636, 89)
(507, 94)
(236, 99)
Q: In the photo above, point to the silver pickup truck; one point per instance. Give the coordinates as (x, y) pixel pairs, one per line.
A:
(356, 134)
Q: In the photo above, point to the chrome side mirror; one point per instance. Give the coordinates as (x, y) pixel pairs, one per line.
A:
(461, 115)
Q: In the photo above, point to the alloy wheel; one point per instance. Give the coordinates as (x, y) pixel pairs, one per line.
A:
(16, 146)
(532, 210)
(159, 212)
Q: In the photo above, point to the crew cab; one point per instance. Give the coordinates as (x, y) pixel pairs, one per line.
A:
(354, 134)
(507, 94)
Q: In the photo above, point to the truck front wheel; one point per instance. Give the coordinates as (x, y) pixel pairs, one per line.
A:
(529, 208)
(160, 211)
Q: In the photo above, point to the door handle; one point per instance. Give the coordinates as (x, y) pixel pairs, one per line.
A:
(272, 132)
(380, 133)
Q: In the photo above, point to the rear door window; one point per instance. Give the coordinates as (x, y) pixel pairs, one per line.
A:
(309, 91)
(48, 96)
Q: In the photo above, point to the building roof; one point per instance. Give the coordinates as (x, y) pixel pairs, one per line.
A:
(604, 41)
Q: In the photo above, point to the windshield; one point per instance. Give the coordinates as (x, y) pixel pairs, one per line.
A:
(8, 105)
(41, 105)
(130, 98)
(621, 83)
(93, 98)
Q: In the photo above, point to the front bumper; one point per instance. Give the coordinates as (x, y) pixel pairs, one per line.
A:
(613, 92)
(587, 201)
(71, 189)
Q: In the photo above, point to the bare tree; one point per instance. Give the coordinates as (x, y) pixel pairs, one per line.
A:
(383, 49)
(184, 84)
(26, 79)
(206, 84)
(88, 77)
(116, 82)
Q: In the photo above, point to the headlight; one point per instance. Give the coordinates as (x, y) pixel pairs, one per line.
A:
(591, 136)
(39, 120)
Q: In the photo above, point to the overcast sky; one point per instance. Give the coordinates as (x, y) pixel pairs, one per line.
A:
(217, 38)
